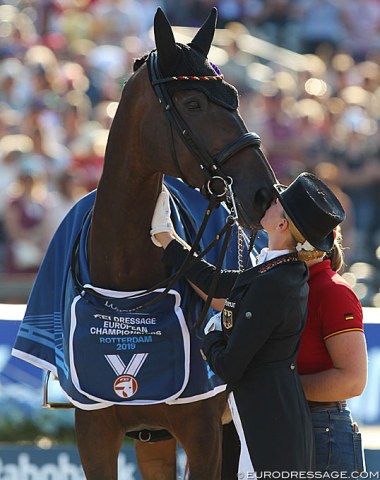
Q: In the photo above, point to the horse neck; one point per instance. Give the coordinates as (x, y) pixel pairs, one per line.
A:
(121, 253)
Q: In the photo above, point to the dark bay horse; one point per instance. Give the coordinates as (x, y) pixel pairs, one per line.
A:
(176, 116)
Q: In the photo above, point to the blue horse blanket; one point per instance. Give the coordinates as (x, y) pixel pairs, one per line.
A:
(101, 345)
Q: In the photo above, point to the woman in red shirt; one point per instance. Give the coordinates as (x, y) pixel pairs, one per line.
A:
(332, 362)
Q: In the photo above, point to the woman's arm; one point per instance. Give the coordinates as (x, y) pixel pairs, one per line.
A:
(216, 303)
(201, 273)
(165, 238)
(348, 378)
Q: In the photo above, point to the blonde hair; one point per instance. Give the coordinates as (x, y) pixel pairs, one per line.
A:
(335, 255)
(304, 255)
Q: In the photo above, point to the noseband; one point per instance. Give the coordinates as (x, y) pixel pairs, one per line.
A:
(216, 181)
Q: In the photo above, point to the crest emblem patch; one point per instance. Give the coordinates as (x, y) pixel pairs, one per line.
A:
(227, 319)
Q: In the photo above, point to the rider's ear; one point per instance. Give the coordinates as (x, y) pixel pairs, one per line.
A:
(283, 224)
(203, 38)
(165, 42)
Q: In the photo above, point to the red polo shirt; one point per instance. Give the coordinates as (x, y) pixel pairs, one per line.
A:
(333, 308)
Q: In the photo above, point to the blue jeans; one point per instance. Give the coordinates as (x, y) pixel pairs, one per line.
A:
(338, 443)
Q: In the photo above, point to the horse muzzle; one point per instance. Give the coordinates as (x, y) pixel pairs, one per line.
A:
(249, 216)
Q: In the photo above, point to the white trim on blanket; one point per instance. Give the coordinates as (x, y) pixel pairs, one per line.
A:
(202, 396)
(36, 361)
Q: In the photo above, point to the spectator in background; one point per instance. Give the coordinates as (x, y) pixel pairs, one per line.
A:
(12, 148)
(235, 67)
(362, 21)
(68, 190)
(359, 177)
(321, 24)
(329, 173)
(275, 22)
(279, 133)
(26, 236)
(12, 91)
(46, 155)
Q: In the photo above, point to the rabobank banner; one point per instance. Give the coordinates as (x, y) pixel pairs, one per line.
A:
(20, 382)
(60, 463)
(366, 408)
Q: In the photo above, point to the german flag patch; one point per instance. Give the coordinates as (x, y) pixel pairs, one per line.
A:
(348, 316)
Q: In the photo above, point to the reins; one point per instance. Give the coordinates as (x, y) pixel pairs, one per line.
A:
(168, 283)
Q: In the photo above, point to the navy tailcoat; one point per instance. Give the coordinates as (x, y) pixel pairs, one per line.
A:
(256, 355)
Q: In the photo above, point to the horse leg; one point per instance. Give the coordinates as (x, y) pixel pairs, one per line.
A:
(99, 438)
(201, 438)
(157, 461)
(203, 448)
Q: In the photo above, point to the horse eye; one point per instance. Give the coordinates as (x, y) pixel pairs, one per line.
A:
(193, 105)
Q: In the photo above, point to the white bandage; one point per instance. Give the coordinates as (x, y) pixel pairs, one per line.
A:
(161, 221)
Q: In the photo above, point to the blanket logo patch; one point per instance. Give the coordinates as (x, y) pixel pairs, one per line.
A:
(126, 385)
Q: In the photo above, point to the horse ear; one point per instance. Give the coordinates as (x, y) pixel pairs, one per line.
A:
(203, 39)
(165, 42)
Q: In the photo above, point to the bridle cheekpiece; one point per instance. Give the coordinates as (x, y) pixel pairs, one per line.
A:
(217, 182)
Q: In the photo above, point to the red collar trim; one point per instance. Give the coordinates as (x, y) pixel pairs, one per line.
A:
(288, 258)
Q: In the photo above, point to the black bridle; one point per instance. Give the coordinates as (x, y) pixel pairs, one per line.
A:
(217, 188)
(217, 182)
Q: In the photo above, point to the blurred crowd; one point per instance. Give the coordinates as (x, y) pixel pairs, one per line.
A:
(63, 64)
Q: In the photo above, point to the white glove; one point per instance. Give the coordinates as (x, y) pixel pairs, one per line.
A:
(161, 221)
(215, 323)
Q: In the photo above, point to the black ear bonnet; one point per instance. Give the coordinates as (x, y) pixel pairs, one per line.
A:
(179, 60)
(189, 63)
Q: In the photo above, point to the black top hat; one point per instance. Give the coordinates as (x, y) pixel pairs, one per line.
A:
(313, 208)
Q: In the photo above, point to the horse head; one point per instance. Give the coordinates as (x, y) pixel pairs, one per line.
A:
(212, 147)
(176, 116)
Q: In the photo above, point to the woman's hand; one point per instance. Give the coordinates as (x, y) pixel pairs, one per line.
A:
(163, 239)
(162, 231)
